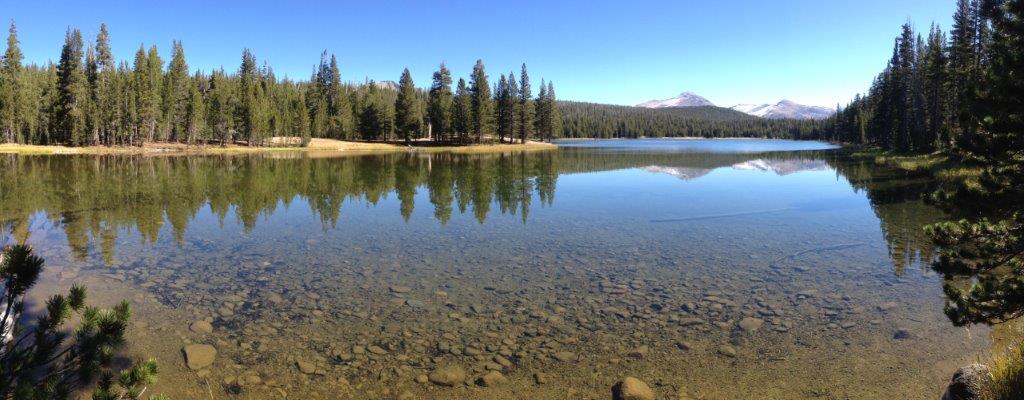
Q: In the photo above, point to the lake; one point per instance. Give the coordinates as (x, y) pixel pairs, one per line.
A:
(710, 269)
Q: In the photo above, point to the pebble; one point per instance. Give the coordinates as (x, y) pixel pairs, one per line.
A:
(727, 350)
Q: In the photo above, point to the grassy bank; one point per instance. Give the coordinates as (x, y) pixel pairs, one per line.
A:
(942, 166)
(316, 145)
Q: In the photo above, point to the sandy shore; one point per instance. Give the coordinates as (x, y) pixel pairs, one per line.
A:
(316, 145)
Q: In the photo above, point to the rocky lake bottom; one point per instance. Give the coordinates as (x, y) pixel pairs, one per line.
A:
(709, 277)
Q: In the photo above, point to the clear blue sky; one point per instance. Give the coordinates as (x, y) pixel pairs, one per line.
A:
(623, 52)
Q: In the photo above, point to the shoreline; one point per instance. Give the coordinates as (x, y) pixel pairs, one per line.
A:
(318, 146)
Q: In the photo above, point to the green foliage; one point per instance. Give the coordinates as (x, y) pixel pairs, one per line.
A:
(482, 115)
(462, 114)
(525, 117)
(982, 255)
(375, 118)
(72, 92)
(12, 93)
(42, 361)
(407, 109)
(608, 121)
(441, 105)
(925, 98)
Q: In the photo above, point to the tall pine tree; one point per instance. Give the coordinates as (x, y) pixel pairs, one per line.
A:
(483, 106)
(407, 109)
(73, 92)
(441, 104)
(12, 92)
(526, 109)
(462, 113)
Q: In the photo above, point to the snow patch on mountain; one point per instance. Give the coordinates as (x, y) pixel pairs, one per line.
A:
(784, 109)
(685, 99)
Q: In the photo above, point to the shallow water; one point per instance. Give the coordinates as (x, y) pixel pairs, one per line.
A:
(715, 269)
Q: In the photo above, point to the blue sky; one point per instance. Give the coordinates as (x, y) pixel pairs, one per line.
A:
(741, 51)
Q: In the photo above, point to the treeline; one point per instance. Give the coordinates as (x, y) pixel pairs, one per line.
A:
(612, 121)
(961, 94)
(926, 99)
(89, 99)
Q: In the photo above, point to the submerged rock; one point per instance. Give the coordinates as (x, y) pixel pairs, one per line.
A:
(565, 356)
(727, 350)
(751, 324)
(631, 388)
(491, 379)
(201, 327)
(199, 356)
(306, 367)
(448, 376)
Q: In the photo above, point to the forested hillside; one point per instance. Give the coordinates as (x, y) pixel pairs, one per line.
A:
(611, 121)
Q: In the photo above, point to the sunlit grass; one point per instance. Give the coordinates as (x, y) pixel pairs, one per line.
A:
(1007, 375)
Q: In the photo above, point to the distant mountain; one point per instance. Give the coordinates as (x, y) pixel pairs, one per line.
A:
(685, 99)
(386, 85)
(785, 109)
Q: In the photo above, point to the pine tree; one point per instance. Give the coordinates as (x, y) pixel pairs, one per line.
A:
(933, 70)
(220, 112)
(903, 79)
(339, 108)
(176, 96)
(375, 122)
(526, 109)
(512, 106)
(73, 92)
(407, 110)
(150, 81)
(462, 113)
(543, 111)
(250, 124)
(963, 61)
(195, 113)
(300, 120)
(441, 104)
(503, 112)
(990, 249)
(483, 108)
(554, 114)
(104, 97)
(316, 101)
(12, 93)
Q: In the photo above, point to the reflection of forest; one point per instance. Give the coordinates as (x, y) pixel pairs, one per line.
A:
(92, 197)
